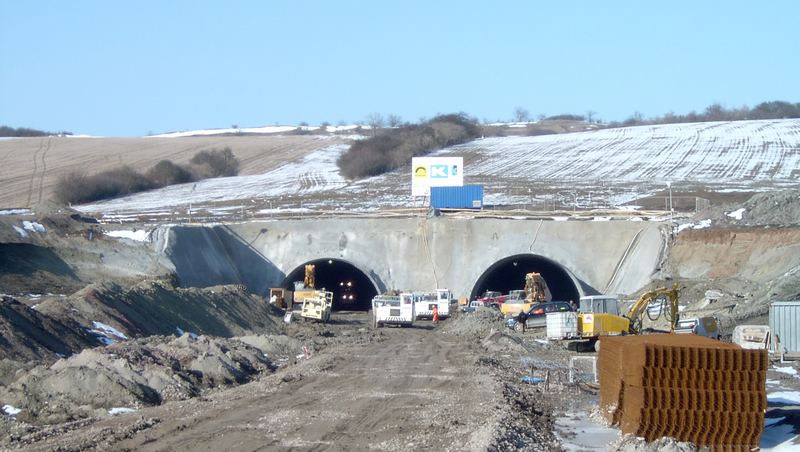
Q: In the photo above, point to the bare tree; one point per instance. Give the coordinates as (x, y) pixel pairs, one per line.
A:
(590, 115)
(521, 115)
(394, 120)
(375, 121)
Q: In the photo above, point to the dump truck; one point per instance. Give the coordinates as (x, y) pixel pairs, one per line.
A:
(393, 310)
(586, 327)
(318, 306)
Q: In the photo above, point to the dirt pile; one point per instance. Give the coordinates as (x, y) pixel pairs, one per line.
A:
(26, 334)
(777, 208)
(156, 307)
(477, 325)
(525, 420)
(139, 373)
(686, 387)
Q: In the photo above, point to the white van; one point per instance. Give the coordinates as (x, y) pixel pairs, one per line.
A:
(393, 310)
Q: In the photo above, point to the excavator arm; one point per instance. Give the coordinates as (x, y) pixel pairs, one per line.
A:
(536, 290)
(636, 312)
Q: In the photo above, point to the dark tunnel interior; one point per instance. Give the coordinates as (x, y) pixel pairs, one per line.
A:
(509, 274)
(352, 289)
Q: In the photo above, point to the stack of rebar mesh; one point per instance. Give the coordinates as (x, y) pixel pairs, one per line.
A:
(686, 387)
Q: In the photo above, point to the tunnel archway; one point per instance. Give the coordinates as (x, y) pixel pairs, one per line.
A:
(509, 274)
(334, 275)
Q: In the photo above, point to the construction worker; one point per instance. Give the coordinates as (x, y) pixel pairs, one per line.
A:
(435, 314)
(522, 319)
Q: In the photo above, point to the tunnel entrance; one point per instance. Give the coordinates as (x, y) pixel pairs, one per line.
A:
(509, 274)
(352, 289)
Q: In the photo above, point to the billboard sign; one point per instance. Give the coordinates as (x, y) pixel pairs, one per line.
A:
(427, 172)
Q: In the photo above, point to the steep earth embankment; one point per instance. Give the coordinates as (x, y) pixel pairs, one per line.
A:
(749, 253)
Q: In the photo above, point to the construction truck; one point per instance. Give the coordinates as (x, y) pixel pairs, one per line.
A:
(305, 288)
(309, 277)
(599, 317)
(536, 291)
(318, 306)
(425, 301)
(423, 304)
(443, 297)
(393, 310)
(281, 297)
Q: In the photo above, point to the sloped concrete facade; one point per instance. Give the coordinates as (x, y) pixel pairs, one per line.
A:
(416, 253)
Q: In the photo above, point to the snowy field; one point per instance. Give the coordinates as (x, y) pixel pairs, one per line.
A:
(602, 169)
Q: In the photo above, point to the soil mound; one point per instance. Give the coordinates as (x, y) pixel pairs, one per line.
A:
(478, 324)
(140, 372)
(779, 209)
(158, 308)
(26, 334)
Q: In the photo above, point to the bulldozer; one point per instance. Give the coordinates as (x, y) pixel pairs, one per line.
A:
(592, 325)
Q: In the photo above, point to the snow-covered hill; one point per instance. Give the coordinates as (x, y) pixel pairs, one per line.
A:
(601, 168)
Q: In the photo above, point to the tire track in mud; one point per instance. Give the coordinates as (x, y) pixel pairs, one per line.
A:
(44, 170)
(417, 390)
(33, 175)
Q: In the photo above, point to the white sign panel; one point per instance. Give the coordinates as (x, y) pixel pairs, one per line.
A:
(427, 172)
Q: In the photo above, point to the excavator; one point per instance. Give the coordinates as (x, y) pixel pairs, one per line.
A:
(593, 324)
(536, 291)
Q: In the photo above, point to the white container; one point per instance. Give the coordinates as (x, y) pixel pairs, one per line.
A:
(562, 325)
(751, 336)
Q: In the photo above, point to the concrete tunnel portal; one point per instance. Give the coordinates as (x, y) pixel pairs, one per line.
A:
(352, 289)
(509, 274)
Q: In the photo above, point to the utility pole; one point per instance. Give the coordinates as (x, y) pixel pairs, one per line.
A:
(669, 185)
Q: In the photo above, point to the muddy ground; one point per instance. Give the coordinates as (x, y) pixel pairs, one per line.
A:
(100, 350)
(350, 388)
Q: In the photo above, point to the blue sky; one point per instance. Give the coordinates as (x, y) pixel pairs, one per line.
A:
(127, 68)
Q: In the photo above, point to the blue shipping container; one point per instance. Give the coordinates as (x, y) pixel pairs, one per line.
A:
(466, 197)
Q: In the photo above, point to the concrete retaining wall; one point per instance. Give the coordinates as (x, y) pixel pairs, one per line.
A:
(416, 253)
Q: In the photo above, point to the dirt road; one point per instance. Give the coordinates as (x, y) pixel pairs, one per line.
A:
(416, 389)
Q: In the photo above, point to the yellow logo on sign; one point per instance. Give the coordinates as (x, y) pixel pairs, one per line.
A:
(420, 171)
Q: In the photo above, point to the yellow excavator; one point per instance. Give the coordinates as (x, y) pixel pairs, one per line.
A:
(536, 291)
(593, 324)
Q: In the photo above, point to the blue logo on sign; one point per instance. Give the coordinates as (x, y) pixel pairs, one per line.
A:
(439, 172)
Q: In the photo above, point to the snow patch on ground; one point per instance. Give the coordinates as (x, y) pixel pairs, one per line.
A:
(106, 334)
(20, 231)
(107, 329)
(578, 433)
(138, 235)
(15, 212)
(736, 214)
(786, 370)
(699, 225)
(33, 226)
(784, 397)
(10, 410)
(576, 168)
(316, 172)
(120, 410)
